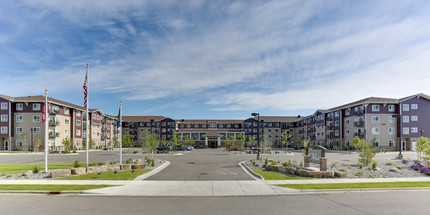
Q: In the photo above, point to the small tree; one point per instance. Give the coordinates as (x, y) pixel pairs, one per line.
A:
(176, 140)
(285, 136)
(240, 142)
(267, 142)
(422, 144)
(151, 143)
(251, 141)
(25, 141)
(127, 141)
(305, 144)
(84, 143)
(36, 142)
(365, 151)
(66, 143)
(115, 142)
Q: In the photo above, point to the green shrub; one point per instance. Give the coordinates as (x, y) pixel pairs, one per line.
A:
(35, 169)
(274, 162)
(358, 174)
(266, 161)
(112, 162)
(389, 163)
(361, 165)
(152, 163)
(342, 170)
(334, 165)
(128, 161)
(285, 164)
(76, 164)
(254, 163)
(374, 164)
(65, 152)
(100, 163)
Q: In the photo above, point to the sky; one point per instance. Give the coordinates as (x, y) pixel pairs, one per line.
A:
(215, 59)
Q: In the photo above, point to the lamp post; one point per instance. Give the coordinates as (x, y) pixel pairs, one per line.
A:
(400, 156)
(31, 130)
(152, 122)
(258, 133)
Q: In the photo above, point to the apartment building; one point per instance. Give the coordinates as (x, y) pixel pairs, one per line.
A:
(22, 127)
(139, 126)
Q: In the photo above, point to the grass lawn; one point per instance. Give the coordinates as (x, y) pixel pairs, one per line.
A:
(22, 168)
(276, 176)
(121, 175)
(46, 187)
(356, 185)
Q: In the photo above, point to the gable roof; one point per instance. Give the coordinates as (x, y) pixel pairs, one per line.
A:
(40, 98)
(369, 100)
(142, 118)
(419, 95)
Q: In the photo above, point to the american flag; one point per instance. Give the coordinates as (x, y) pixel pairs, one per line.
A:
(85, 90)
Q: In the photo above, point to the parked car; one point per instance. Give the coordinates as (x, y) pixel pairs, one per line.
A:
(189, 148)
(163, 149)
(179, 148)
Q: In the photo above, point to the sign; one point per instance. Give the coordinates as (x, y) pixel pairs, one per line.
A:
(315, 156)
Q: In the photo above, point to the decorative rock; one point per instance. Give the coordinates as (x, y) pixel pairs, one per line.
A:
(377, 169)
(275, 168)
(28, 173)
(104, 168)
(290, 170)
(281, 169)
(302, 172)
(61, 173)
(139, 161)
(126, 167)
(328, 174)
(315, 174)
(268, 168)
(115, 167)
(394, 169)
(78, 171)
(339, 174)
(93, 169)
(137, 166)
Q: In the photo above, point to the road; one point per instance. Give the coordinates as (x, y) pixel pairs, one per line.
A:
(378, 203)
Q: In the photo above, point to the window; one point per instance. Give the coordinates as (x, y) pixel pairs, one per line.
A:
(66, 121)
(405, 130)
(414, 130)
(36, 106)
(405, 119)
(18, 143)
(405, 107)
(78, 113)
(212, 125)
(4, 118)
(236, 125)
(376, 143)
(375, 108)
(204, 126)
(221, 125)
(196, 125)
(347, 132)
(228, 125)
(78, 122)
(19, 118)
(67, 131)
(19, 106)
(254, 123)
(347, 112)
(18, 130)
(375, 130)
(375, 119)
(414, 118)
(4, 105)
(66, 111)
(78, 132)
(390, 143)
(36, 118)
(4, 130)
(270, 124)
(390, 130)
(336, 123)
(347, 122)
(414, 106)
(36, 129)
(391, 108)
(163, 130)
(347, 143)
(336, 133)
(390, 119)
(188, 125)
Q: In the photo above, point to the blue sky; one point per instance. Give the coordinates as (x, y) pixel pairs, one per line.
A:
(215, 59)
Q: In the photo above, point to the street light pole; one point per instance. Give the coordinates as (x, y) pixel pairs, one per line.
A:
(31, 130)
(258, 133)
(400, 156)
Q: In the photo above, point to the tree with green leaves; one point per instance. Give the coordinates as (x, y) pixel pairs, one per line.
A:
(305, 144)
(267, 142)
(115, 142)
(365, 151)
(285, 136)
(240, 141)
(176, 140)
(25, 141)
(151, 143)
(189, 142)
(84, 143)
(422, 145)
(127, 141)
(66, 143)
(251, 141)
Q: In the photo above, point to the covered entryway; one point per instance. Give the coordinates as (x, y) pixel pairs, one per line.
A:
(213, 144)
(212, 139)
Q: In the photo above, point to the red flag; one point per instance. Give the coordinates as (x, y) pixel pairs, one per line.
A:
(85, 90)
(43, 113)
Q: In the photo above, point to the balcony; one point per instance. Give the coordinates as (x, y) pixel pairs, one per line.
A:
(359, 134)
(329, 118)
(359, 112)
(330, 136)
(359, 123)
(313, 137)
(52, 134)
(54, 122)
(314, 129)
(330, 127)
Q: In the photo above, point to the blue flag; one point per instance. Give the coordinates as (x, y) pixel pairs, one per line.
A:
(119, 118)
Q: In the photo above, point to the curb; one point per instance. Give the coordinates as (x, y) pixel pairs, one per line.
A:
(153, 172)
(250, 172)
(41, 192)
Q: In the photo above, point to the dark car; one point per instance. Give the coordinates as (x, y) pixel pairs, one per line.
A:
(179, 148)
(163, 149)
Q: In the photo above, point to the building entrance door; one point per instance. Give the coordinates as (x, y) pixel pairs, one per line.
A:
(6, 145)
(403, 146)
(212, 144)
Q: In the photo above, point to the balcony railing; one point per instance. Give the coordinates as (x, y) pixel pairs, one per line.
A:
(359, 123)
(330, 127)
(54, 122)
(359, 112)
(359, 134)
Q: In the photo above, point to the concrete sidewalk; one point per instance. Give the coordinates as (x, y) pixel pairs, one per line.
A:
(346, 180)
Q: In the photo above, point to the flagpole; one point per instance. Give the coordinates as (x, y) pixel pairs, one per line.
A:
(120, 132)
(46, 130)
(87, 115)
